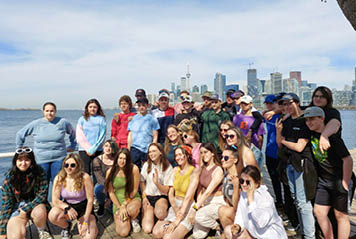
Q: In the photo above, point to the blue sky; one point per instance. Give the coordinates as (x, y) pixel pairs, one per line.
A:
(71, 51)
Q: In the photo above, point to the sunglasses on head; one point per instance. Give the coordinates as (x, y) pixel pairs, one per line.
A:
(231, 136)
(23, 150)
(242, 181)
(72, 165)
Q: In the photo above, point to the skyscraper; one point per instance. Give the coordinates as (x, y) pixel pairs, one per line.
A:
(183, 83)
(354, 82)
(276, 82)
(203, 89)
(296, 75)
(219, 84)
(252, 82)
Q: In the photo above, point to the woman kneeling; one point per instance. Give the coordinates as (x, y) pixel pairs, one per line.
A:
(24, 196)
(122, 185)
(76, 188)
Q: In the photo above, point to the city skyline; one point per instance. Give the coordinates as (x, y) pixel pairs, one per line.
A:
(68, 52)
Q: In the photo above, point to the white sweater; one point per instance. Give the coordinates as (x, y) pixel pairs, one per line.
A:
(260, 218)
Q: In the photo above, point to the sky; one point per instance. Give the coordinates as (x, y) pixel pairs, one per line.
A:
(71, 51)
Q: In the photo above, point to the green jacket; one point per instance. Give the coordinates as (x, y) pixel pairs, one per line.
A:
(211, 126)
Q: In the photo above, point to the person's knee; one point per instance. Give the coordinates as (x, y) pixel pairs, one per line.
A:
(341, 215)
(39, 213)
(54, 215)
(133, 209)
(160, 213)
(123, 231)
(157, 232)
(227, 232)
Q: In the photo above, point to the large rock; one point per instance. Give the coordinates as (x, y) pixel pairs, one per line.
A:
(348, 7)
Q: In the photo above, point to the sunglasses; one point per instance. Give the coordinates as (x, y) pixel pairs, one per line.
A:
(242, 181)
(225, 158)
(231, 136)
(23, 150)
(72, 165)
(223, 130)
(185, 136)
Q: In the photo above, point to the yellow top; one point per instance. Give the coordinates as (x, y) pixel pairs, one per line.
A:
(181, 182)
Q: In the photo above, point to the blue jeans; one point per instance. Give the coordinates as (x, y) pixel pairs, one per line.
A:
(51, 168)
(304, 207)
(99, 193)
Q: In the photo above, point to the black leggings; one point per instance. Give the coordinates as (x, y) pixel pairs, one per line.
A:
(87, 160)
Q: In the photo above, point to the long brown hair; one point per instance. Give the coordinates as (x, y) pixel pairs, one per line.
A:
(187, 151)
(99, 112)
(164, 162)
(77, 174)
(129, 186)
(326, 92)
(222, 141)
(210, 147)
(167, 142)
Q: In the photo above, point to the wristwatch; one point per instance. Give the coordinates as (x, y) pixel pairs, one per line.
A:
(66, 209)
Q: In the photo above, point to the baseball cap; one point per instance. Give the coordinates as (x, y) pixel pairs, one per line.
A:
(140, 92)
(237, 94)
(215, 97)
(207, 94)
(246, 99)
(290, 96)
(270, 99)
(142, 100)
(230, 92)
(314, 111)
(163, 94)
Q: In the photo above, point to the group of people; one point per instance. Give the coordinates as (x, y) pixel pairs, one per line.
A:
(173, 170)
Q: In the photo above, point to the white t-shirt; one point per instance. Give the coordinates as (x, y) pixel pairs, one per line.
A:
(165, 178)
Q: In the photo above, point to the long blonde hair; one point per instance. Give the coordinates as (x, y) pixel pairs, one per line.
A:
(77, 175)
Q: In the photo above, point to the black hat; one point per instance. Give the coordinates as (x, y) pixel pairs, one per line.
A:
(140, 92)
(290, 96)
(142, 100)
(229, 92)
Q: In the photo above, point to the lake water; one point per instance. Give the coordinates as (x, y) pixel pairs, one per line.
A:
(12, 121)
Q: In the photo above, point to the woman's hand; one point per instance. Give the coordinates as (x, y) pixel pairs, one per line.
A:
(279, 126)
(250, 192)
(171, 227)
(123, 213)
(72, 214)
(84, 228)
(234, 180)
(145, 202)
(155, 176)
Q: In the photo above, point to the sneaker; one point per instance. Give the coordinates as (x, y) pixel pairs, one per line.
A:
(44, 235)
(96, 205)
(65, 234)
(218, 234)
(100, 211)
(135, 226)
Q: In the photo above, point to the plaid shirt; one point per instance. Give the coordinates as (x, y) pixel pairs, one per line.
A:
(9, 200)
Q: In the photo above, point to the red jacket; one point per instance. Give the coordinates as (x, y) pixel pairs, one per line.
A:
(119, 128)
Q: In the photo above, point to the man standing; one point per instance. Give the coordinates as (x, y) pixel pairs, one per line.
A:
(229, 105)
(164, 114)
(211, 120)
(143, 130)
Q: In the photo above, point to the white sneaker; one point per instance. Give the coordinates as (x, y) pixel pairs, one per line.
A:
(135, 226)
(44, 235)
(65, 234)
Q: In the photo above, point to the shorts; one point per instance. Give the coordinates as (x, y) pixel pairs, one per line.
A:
(154, 199)
(16, 209)
(80, 208)
(332, 193)
(171, 216)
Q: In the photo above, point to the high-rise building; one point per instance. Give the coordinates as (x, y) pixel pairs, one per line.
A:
(312, 86)
(188, 78)
(261, 87)
(305, 95)
(232, 87)
(290, 85)
(296, 75)
(252, 82)
(203, 89)
(183, 83)
(173, 86)
(219, 84)
(276, 82)
(268, 87)
(195, 89)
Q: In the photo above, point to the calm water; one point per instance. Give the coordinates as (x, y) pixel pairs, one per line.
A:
(12, 121)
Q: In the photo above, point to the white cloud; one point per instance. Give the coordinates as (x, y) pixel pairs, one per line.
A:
(73, 53)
